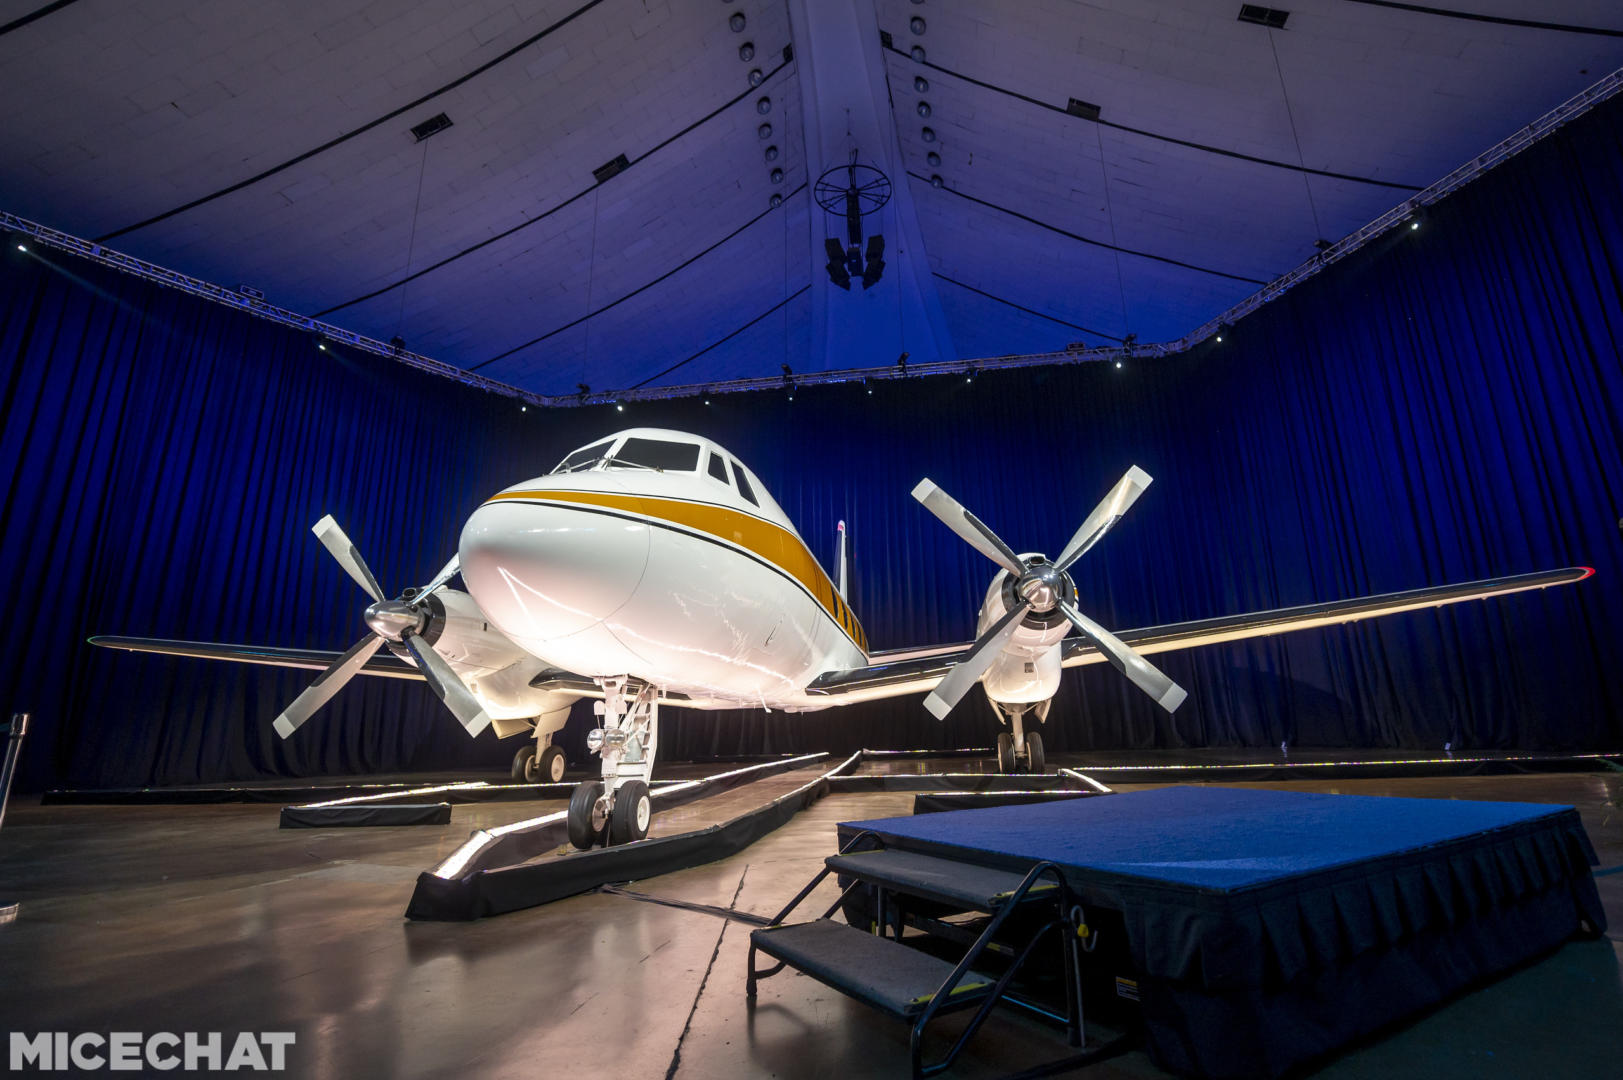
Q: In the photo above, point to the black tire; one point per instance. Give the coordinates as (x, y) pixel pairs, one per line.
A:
(633, 810)
(1035, 761)
(584, 832)
(1005, 752)
(550, 766)
(524, 764)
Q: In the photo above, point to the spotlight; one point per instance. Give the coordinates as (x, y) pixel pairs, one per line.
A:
(917, 53)
(920, 83)
(523, 408)
(22, 247)
(875, 266)
(927, 134)
(746, 51)
(775, 201)
(916, 24)
(936, 181)
(322, 345)
(777, 176)
(619, 406)
(869, 387)
(763, 105)
(1412, 225)
(764, 131)
(838, 272)
(923, 109)
(757, 77)
(932, 159)
(771, 153)
(1118, 363)
(736, 21)
(1220, 339)
(707, 401)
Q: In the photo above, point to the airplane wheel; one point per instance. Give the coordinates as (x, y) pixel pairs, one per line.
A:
(586, 824)
(1035, 762)
(551, 766)
(633, 810)
(1005, 752)
(524, 764)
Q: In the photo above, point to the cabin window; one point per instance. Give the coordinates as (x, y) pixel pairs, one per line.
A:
(717, 467)
(584, 458)
(656, 454)
(744, 488)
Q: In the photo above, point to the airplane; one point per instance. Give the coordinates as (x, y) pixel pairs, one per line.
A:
(651, 567)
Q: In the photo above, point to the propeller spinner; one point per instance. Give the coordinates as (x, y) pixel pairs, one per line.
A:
(1043, 586)
(400, 621)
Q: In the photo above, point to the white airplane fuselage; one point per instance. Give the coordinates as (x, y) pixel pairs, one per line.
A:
(671, 577)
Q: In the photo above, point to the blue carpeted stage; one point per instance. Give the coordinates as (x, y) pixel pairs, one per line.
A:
(1266, 928)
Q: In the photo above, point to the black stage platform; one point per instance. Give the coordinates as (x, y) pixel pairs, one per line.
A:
(1262, 929)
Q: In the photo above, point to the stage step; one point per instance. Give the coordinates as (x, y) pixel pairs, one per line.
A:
(980, 888)
(875, 970)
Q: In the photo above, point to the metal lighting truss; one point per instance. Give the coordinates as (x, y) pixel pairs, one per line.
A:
(1393, 218)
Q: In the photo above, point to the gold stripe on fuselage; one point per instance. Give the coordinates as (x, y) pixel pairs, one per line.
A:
(768, 541)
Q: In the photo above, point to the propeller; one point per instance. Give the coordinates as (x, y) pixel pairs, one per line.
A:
(1043, 586)
(400, 621)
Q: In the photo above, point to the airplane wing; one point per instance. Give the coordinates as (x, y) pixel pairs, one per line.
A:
(916, 671)
(384, 664)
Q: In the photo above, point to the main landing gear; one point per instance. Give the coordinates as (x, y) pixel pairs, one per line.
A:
(537, 764)
(1020, 747)
(617, 809)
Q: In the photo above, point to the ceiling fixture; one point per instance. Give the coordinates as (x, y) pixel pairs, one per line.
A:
(746, 51)
(853, 191)
(432, 126)
(736, 21)
(916, 24)
(1273, 18)
(1087, 110)
(917, 53)
(610, 169)
(921, 84)
(763, 105)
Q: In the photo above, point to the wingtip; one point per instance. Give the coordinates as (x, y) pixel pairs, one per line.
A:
(937, 707)
(923, 489)
(1140, 477)
(477, 725)
(323, 525)
(1173, 698)
(283, 727)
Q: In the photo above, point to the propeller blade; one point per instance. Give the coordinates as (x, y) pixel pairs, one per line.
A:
(337, 544)
(447, 572)
(1107, 513)
(956, 683)
(1145, 675)
(327, 684)
(446, 685)
(973, 531)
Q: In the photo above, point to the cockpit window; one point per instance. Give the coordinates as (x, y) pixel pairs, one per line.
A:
(656, 454)
(744, 488)
(717, 467)
(584, 458)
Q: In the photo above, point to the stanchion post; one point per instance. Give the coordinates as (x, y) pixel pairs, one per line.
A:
(14, 746)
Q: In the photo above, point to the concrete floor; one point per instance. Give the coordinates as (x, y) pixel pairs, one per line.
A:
(209, 918)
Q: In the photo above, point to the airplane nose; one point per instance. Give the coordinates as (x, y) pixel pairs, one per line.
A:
(541, 570)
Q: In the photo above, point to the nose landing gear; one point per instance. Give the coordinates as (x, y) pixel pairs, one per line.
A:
(1020, 750)
(618, 810)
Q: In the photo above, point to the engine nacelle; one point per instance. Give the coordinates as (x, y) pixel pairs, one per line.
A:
(496, 671)
(1028, 669)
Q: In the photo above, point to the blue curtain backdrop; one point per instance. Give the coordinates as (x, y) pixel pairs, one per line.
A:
(1446, 405)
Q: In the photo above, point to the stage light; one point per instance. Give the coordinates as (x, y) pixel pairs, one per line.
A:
(736, 21)
(936, 181)
(746, 51)
(707, 401)
(523, 408)
(916, 24)
(22, 247)
(1220, 339)
(920, 83)
(1412, 225)
(777, 176)
(1118, 363)
(619, 406)
(775, 201)
(867, 386)
(923, 109)
(932, 159)
(764, 131)
(917, 53)
(763, 105)
(927, 134)
(322, 345)
(771, 153)
(757, 77)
